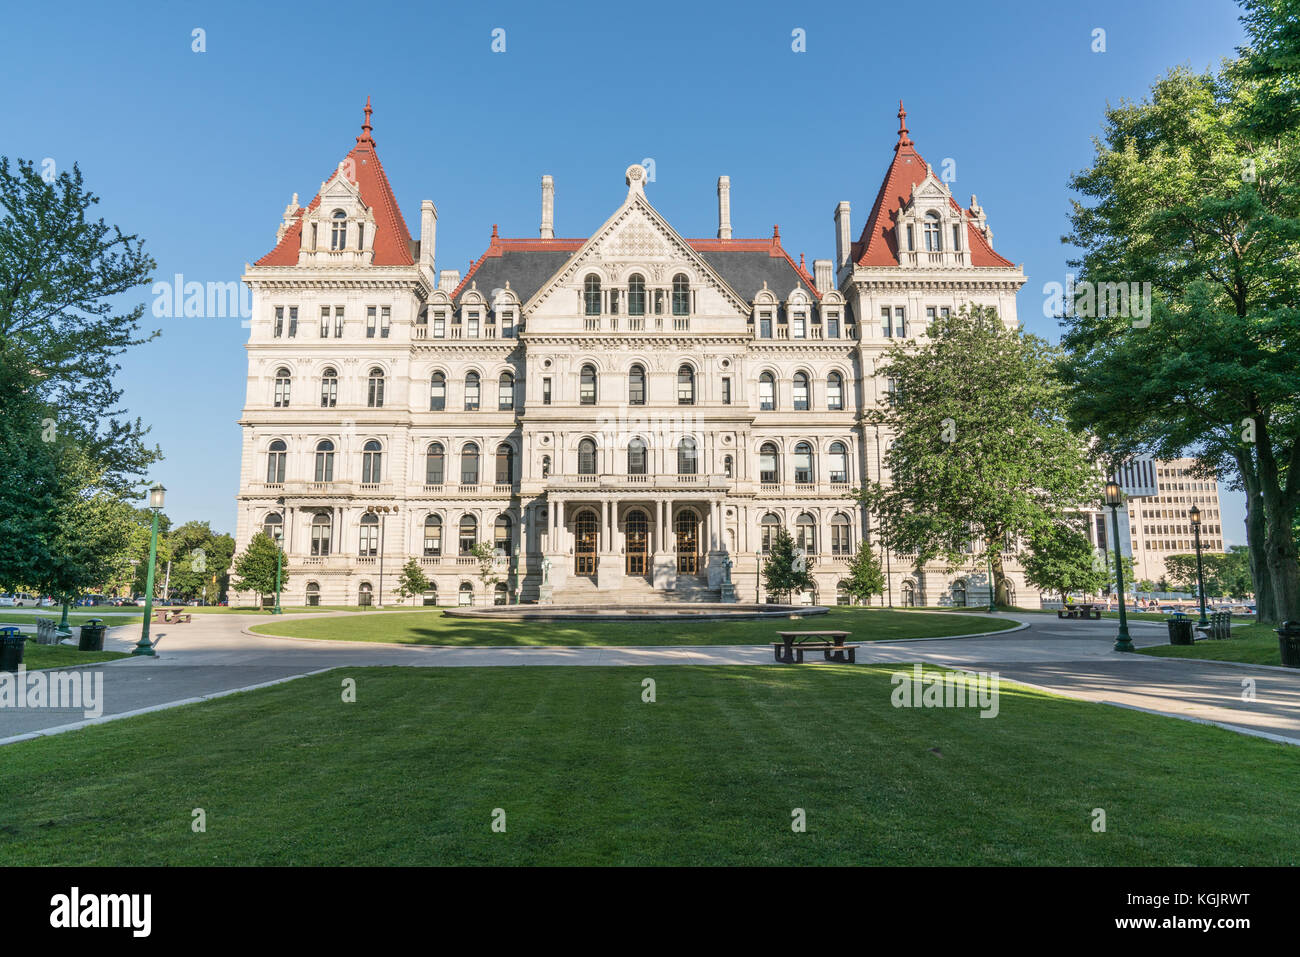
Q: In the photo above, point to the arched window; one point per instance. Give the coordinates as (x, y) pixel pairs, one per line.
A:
(276, 455)
(636, 457)
(466, 594)
(801, 392)
(499, 594)
(468, 534)
(834, 392)
(636, 386)
(591, 295)
(909, 595)
(469, 464)
(324, 461)
(959, 593)
(438, 392)
(313, 594)
(338, 230)
(685, 385)
(681, 295)
(842, 593)
(365, 595)
(273, 525)
(768, 529)
(502, 538)
(433, 535)
(839, 464)
(586, 457)
(766, 392)
(587, 385)
(369, 535)
(933, 233)
(435, 460)
(329, 388)
(375, 389)
(687, 462)
(282, 388)
(372, 463)
(805, 534)
(506, 393)
(768, 472)
(505, 464)
(431, 596)
(841, 535)
(471, 392)
(803, 469)
(321, 533)
(636, 295)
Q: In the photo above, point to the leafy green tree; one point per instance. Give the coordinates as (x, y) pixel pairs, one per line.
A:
(200, 561)
(786, 570)
(412, 581)
(1106, 565)
(1146, 585)
(981, 450)
(255, 567)
(1234, 575)
(1061, 560)
(865, 576)
(487, 569)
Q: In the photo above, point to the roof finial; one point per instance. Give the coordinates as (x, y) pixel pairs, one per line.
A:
(366, 128)
(494, 231)
(776, 235)
(903, 138)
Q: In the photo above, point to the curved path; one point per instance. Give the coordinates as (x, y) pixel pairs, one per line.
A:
(214, 655)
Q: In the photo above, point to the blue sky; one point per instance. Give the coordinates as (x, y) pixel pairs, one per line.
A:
(199, 152)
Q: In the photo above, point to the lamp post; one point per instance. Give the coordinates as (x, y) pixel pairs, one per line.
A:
(1115, 498)
(145, 647)
(279, 559)
(1195, 514)
(382, 511)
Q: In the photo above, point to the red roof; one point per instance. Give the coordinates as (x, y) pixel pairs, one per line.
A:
(392, 241)
(878, 245)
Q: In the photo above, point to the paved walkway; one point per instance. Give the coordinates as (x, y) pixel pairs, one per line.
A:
(212, 655)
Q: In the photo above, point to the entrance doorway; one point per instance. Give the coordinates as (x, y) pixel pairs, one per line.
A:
(638, 542)
(686, 525)
(586, 542)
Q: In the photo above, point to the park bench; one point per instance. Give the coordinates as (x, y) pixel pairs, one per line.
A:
(47, 631)
(1220, 625)
(790, 649)
(1079, 611)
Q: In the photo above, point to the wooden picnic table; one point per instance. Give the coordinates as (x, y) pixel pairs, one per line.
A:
(1081, 610)
(793, 644)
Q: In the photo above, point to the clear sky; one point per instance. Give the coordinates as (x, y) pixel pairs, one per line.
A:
(198, 152)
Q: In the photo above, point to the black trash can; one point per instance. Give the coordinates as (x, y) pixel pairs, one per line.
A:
(12, 646)
(1288, 642)
(92, 635)
(1180, 630)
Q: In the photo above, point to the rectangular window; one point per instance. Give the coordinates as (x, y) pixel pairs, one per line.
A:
(546, 391)
(900, 323)
(440, 325)
(956, 238)
(765, 325)
(945, 312)
(911, 244)
(370, 322)
(385, 320)
(886, 324)
(471, 322)
(324, 322)
(338, 322)
(279, 322)
(930, 315)
(832, 325)
(726, 390)
(613, 302)
(508, 324)
(891, 391)
(293, 321)
(800, 326)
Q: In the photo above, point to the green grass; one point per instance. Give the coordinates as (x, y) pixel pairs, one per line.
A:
(435, 628)
(74, 619)
(1253, 644)
(63, 656)
(587, 773)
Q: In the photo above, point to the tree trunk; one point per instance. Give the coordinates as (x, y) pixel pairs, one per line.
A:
(1256, 540)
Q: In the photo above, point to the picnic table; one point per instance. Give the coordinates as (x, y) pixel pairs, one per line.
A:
(790, 649)
(1081, 610)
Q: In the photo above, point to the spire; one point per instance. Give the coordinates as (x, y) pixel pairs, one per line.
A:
(903, 138)
(365, 136)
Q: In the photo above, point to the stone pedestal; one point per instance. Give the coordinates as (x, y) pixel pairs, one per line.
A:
(609, 572)
(728, 593)
(664, 575)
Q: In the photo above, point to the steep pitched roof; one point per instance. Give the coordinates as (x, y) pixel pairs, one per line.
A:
(878, 245)
(392, 242)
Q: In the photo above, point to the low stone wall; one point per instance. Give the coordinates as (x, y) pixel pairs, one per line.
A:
(657, 612)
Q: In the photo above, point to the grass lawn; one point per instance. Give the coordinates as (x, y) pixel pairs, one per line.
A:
(434, 628)
(587, 773)
(75, 619)
(1254, 644)
(287, 609)
(63, 656)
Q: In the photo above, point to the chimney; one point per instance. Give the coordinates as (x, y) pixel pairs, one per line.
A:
(823, 270)
(428, 232)
(448, 280)
(548, 208)
(724, 207)
(843, 235)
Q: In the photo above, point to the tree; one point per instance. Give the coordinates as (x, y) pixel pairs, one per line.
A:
(200, 561)
(487, 569)
(1146, 585)
(1106, 563)
(255, 567)
(865, 576)
(1181, 571)
(1196, 193)
(786, 570)
(980, 450)
(412, 581)
(1061, 560)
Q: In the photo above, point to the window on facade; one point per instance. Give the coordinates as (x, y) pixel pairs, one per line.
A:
(681, 295)
(279, 322)
(372, 462)
(273, 526)
(546, 391)
(506, 392)
(370, 322)
(636, 457)
(466, 594)
(587, 386)
(435, 460)
(329, 388)
(636, 386)
(768, 528)
(636, 295)
(833, 324)
(685, 386)
(324, 322)
(956, 238)
(440, 324)
(471, 392)
(911, 237)
(339, 230)
(841, 537)
(338, 322)
(546, 466)
(933, 233)
(385, 321)
(502, 539)
(886, 322)
(800, 325)
(375, 389)
(835, 391)
(891, 391)
(728, 466)
(282, 388)
(321, 527)
(803, 470)
(469, 465)
(801, 392)
(369, 546)
(507, 324)
(276, 455)
(324, 461)
(839, 463)
(586, 457)
(591, 295)
(726, 390)
(468, 534)
(505, 464)
(613, 302)
(437, 392)
(900, 322)
(805, 534)
(766, 392)
(765, 324)
(293, 321)
(687, 462)
(433, 535)
(767, 464)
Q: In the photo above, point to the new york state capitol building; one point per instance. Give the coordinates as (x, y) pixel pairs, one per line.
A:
(631, 414)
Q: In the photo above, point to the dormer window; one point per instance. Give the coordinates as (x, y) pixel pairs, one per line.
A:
(933, 233)
(338, 230)
(636, 296)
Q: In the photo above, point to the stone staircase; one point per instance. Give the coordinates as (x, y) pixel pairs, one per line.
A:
(634, 591)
